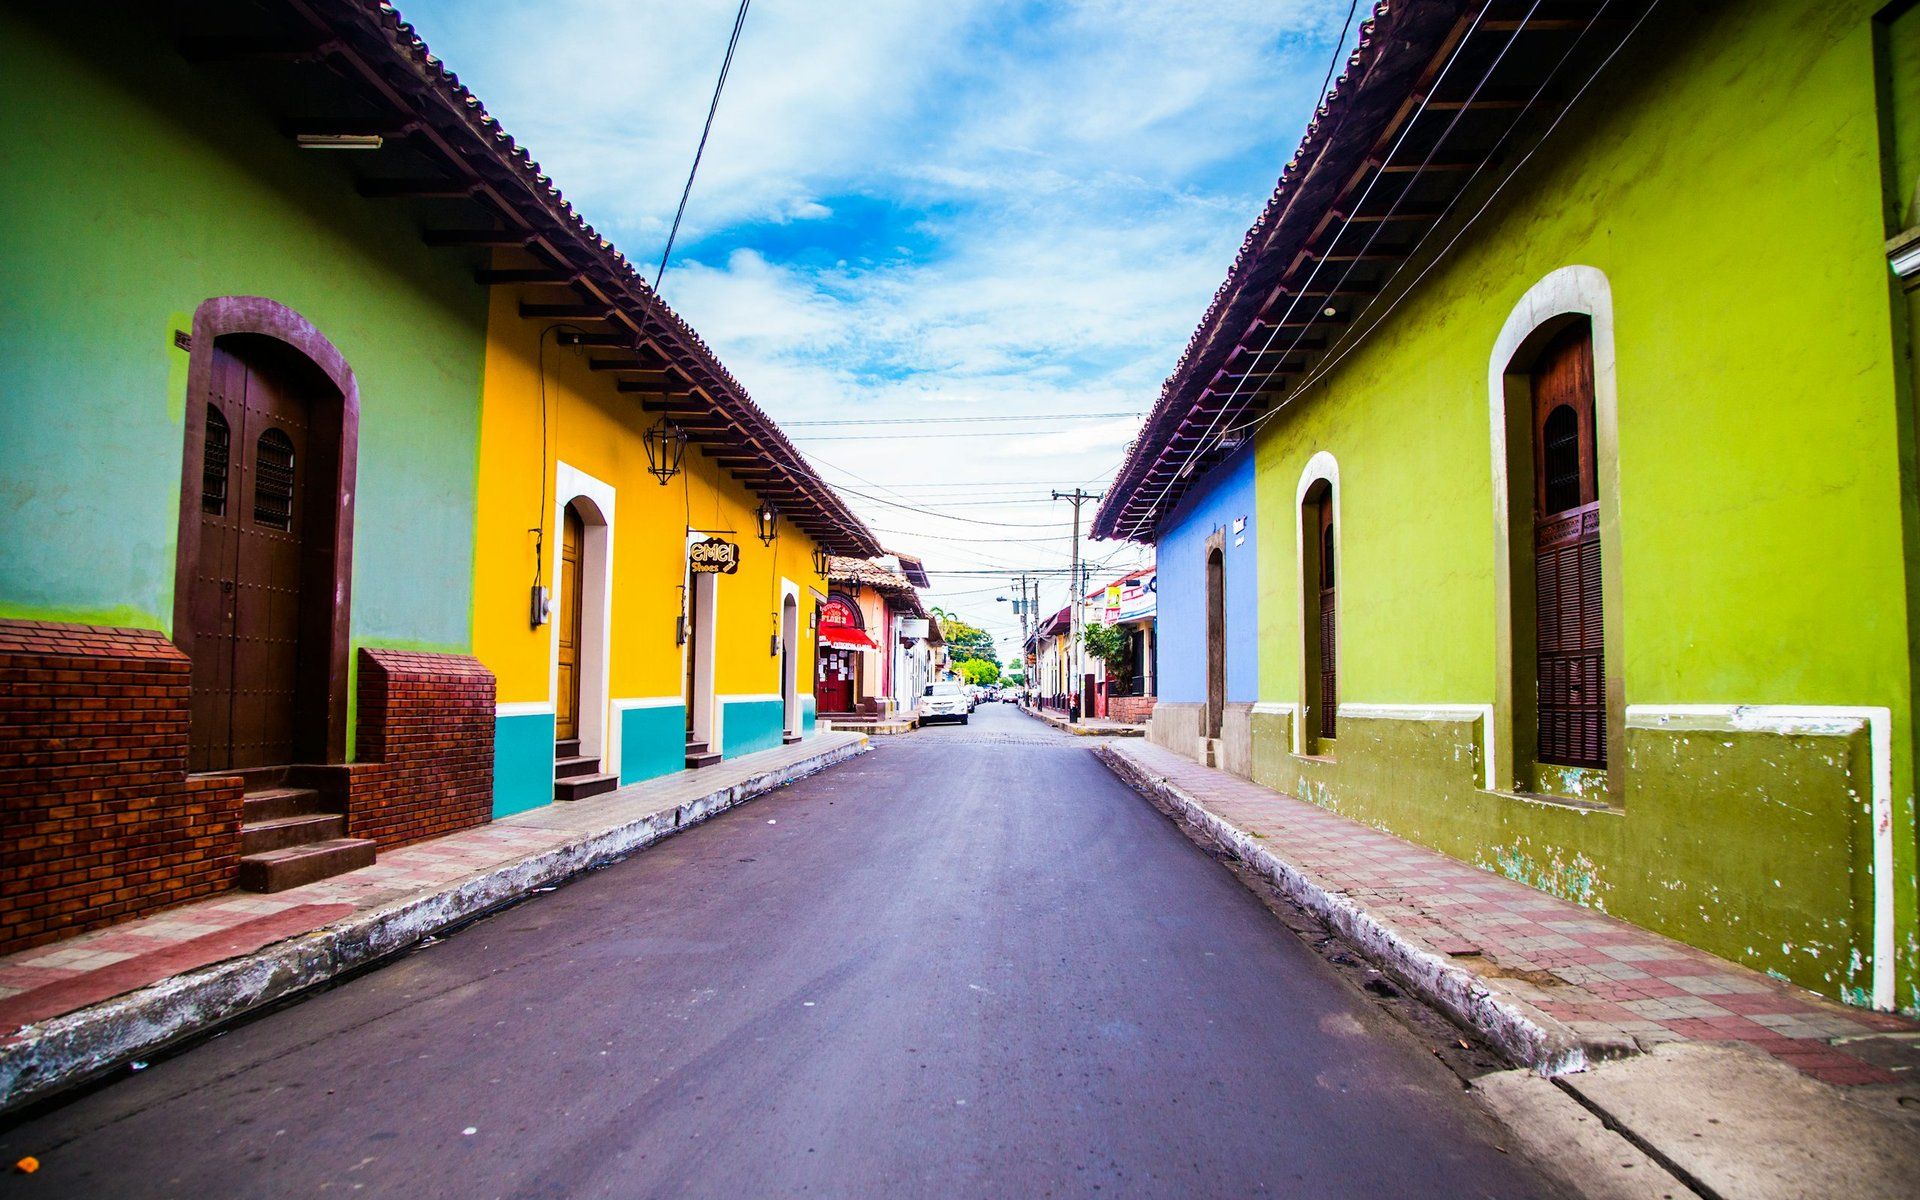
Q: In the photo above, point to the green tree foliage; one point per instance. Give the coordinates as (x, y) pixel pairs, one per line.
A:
(967, 643)
(980, 671)
(1106, 643)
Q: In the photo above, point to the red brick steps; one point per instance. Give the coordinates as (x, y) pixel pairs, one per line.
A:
(291, 836)
(576, 776)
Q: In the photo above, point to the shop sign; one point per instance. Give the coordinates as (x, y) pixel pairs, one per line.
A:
(714, 557)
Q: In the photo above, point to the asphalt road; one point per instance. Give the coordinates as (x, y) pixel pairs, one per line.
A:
(970, 963)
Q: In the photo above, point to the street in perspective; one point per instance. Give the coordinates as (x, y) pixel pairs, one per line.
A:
(901, 599)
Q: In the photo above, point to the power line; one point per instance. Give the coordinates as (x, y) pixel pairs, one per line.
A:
(719, 85)
(1067, 416)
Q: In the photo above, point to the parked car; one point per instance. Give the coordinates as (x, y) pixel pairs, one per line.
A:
(944, 702)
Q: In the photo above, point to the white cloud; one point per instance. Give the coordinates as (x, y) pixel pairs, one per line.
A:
(1081, 174)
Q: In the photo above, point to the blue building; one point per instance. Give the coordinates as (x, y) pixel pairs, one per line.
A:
(1208, 628)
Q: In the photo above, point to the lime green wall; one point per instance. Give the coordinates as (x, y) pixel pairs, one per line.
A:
(136, 187)
(1728, 184)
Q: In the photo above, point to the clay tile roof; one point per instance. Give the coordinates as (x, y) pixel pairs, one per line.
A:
(408, 70)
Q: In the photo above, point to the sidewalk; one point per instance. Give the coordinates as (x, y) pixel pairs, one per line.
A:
(1650, 1066)
(72, 1008)
(1090, 727)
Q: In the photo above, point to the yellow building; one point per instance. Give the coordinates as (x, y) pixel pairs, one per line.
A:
(648, 549)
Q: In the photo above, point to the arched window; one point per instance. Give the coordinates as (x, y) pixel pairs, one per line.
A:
(273, 480)
(213, 464)
(1570, 667)
(1216, 642)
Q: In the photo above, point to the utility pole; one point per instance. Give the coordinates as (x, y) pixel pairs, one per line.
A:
(1074, 600)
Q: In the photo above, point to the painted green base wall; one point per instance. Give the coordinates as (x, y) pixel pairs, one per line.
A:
(653, 742)
(1764, 532)
(139, 186)
(749, 725)
(522, 762)
(1750, 845)
(807, 721)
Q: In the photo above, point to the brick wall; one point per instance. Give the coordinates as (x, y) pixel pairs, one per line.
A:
(1134, 710)
(425, 747)
(98, 820)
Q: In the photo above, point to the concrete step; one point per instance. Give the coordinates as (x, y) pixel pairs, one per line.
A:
(578, 764)
(694, 747)
(702, 758)
(277, 833)
(278, 870)
(579, 787)
(271, 804)
(566, 748)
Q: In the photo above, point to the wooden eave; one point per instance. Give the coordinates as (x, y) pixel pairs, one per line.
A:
(1392, 151)
(347, 67)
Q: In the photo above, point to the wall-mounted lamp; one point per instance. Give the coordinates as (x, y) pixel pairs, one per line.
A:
(666, 445)
(822, 561)
(768, 517)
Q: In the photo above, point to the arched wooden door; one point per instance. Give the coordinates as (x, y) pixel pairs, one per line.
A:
(1571, 661)
(1216, 642)
(573, 536)
(259, 608)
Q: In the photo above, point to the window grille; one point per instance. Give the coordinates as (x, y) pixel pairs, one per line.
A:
(273, 480)
(213, 464)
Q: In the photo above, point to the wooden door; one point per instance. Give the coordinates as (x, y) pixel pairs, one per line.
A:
(835, 691)
(693, 648)
(1329, 622)
(1216, 643)
(566, 717)
(1570, 675)
(257, 479)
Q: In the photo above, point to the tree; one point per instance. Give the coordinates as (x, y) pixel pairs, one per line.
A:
(980, 671)
(1106, 643)
(966, 643)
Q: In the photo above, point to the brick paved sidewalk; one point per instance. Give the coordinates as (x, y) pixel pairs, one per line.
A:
(48, 981)
(1608, 982)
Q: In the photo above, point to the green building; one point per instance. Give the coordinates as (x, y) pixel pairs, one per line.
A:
(1575, 357)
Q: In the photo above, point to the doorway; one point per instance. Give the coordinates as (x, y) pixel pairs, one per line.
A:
(566, 716)
(261, 602)
(790, 669)
(701, 636)
(1216, 642)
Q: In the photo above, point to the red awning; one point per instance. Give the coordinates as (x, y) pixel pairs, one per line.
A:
(846, 637)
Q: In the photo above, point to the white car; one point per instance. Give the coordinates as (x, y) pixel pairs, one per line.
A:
(944, 702)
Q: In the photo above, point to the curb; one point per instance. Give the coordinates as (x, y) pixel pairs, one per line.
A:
(63, 1051)
(1066, 726)
(1525, 1035)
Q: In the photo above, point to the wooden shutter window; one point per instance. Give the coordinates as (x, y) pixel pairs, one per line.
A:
(1329, 629)
(213, 463)
(1569, 629)
(273, 480)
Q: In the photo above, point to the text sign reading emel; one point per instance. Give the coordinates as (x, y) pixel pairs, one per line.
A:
(714, 557)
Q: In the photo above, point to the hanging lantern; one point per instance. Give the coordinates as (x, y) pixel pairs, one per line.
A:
(767, 516)
(666, 444)
(821, 561)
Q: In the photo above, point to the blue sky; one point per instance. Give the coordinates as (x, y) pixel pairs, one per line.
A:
(911, 210)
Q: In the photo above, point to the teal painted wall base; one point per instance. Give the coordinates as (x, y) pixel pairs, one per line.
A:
(749, 725)
(522, 762)
(653, 742)
(807, 729)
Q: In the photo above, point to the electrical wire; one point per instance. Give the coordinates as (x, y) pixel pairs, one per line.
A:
(726, 65)
(1204, 443)
(1069, 416)
(1324, 367)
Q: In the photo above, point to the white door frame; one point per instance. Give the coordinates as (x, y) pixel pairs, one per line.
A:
(790, 653)
(596, 604)
(703, 594)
